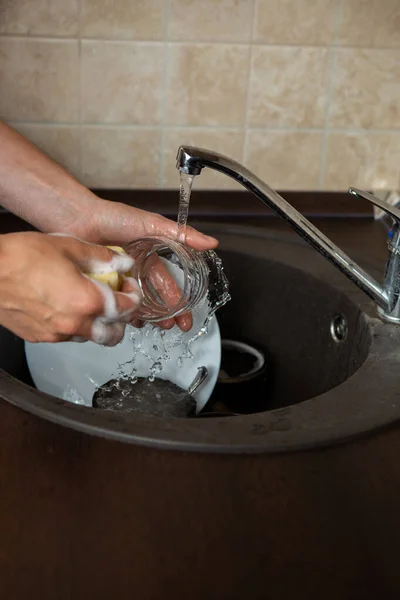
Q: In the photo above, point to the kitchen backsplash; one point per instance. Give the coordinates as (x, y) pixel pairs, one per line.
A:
(305, 92)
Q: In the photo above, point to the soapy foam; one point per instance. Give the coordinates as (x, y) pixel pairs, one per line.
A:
(107, 334)
(108, 329)
(110, 313)
(134, 284)
(120, 263)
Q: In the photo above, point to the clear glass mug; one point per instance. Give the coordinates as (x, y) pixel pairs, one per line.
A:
(174, 278)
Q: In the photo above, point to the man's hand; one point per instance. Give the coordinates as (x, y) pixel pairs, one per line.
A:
(45, 296)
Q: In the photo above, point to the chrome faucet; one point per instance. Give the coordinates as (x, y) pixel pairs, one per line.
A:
(192, 160)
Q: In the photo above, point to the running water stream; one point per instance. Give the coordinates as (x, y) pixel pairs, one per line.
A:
(185, 191)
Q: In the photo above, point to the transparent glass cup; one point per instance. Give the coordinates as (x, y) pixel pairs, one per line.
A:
(174, 278)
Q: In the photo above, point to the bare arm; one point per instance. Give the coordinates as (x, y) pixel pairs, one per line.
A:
(36, 188)
(43, 193)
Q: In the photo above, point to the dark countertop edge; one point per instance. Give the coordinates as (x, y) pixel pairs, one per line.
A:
(239, 204)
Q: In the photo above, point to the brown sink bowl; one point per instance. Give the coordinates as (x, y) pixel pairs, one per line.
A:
(322, 380)
(297, 501)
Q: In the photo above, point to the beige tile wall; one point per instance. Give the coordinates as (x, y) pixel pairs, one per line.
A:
(305, 92)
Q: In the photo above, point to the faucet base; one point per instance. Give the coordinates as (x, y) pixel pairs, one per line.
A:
(387, 317)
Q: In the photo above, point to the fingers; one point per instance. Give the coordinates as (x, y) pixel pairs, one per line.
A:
(121, 307)
(101, 313)
(164, 284)
(131, 286)
(171, 294)
(107, 326)
(47, 298)
(106, 334)
(116, 305)
(168, 290)
(129, 299)
(166, 323)
(185, 321)
(199, 241)
(158, 225)
(95, 259)
(137, 323)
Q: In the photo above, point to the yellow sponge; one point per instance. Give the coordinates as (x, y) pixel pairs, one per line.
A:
(113, 279)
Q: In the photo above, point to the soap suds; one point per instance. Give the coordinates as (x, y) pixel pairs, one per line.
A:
(121, 263)
(108, 329)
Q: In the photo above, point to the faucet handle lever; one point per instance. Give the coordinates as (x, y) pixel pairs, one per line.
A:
(390, 210)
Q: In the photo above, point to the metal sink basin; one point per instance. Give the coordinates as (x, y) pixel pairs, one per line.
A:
(332, 365)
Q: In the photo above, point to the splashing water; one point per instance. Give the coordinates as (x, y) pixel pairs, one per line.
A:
(185, 191)
(153, 347)
(159, 398)
(154, 344)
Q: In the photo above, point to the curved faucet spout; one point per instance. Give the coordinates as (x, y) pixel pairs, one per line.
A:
(192, 160)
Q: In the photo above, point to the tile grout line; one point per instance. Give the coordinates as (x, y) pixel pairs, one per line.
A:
(80, 153)
(152, 126)
(247, 102)
(162, 175)
(333, 61)
(188, 42)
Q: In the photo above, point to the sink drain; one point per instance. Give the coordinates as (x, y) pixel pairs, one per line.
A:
(339, 329)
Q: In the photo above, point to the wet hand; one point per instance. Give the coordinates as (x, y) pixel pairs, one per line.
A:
(113, 223)
(45, 295)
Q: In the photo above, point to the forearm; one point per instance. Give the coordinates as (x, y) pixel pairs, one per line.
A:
(36, 188)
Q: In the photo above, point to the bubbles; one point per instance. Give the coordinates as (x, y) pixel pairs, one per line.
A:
(72, 395)
(157, 367)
